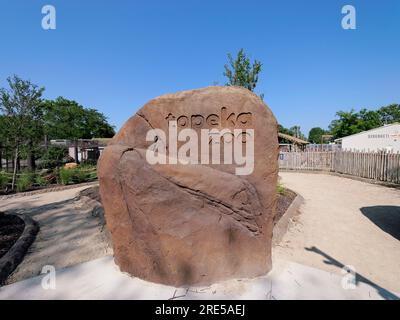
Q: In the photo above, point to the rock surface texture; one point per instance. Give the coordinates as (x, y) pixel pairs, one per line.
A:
(191, 224)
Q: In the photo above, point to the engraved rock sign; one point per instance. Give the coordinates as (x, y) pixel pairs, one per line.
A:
(185, 224)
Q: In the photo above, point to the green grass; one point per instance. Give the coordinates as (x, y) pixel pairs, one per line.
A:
(280, 189)
(4, 179)
(25, 181)
(77, 175)
(41, 181)
(66, 175)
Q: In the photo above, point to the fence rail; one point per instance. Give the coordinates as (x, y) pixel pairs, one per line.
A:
(377, 166)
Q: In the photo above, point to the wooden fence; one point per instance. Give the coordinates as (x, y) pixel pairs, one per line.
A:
(376, 166)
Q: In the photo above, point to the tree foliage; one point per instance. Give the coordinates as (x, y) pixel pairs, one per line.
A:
(22, 120)
(26, 121)
(66, 119)
(284, 130)
(389, 114)
(294, 131)
(241, 72)
(351, 122)
(20, 106)
(53, 156)
(315, 135)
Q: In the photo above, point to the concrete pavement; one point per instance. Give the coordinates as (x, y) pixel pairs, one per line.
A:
(101, 279)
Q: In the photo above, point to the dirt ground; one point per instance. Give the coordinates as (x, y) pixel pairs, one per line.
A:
(344, 222)
(69, 233)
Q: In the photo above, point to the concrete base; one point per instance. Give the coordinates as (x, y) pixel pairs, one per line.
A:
(101, 279)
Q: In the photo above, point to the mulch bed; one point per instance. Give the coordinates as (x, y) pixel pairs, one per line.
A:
(11, 228)
(283, 203)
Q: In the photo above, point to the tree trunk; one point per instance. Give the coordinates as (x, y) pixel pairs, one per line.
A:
(1, 157)
(15, 167)
(31, 157)
(76, 152)
(31, 161)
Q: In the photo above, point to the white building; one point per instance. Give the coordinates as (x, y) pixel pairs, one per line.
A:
(386, 138)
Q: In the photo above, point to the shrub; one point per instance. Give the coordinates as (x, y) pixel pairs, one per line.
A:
(87, 166)
(90, 170)
(4, 179)
(42, 181)
(76, 175)
(92, 175)
(25, 181)
(280, 189)
(53, 156)
(80, 175)
(66, 175)
(89, 162)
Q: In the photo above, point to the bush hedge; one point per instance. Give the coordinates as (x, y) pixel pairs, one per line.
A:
(27, 180)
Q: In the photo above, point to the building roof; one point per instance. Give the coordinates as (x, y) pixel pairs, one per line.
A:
(292, 139)
(362, 132)
(102, 141)
(87, 143)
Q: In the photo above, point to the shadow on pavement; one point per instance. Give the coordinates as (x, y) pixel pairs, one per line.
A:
(387, 295)
(385, 217)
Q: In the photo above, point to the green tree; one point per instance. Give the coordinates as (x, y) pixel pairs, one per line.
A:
(97, 125)
(21, 107)
(53, 156)
(296, 132)
(369, 119)
(284, 130)
(66, 119)
(347, 124)
(5, 146)
(315, 135)
(241, 72)
(389, 114)
(3, 140)
(63, 119)
(351, 122)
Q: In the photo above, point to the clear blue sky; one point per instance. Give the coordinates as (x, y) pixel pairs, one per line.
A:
(116, 55)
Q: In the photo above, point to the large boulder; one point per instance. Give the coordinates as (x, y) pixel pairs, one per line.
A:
(185, 224)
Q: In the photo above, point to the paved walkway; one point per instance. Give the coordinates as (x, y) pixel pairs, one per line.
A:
(345, 222)
(101, 279)
(69, 233)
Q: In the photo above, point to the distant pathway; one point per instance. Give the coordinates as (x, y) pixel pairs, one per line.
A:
(68, 235)
(345, 222)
